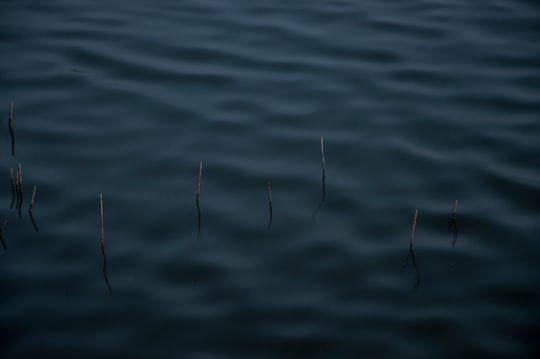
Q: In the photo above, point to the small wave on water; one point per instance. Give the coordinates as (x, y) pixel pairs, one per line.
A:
(268, 251)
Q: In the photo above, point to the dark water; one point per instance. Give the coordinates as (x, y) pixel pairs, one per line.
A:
(420, 103)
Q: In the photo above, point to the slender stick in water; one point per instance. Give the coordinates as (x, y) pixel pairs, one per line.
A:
(19, 189)
(33, 198)
(323, 166)
(12, 188)
(30, 209)
(270, 204)
(102, 240)
(102, 244)
(1, 237)
(11, 129)
(413, 229)
(198, 195)
(453, 223)
(17, 174)
(323, 196)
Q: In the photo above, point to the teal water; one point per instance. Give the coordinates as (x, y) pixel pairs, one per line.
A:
(419, 103)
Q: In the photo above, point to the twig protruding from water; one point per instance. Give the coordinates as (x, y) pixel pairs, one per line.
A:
(30, 209)
(323, 193)
(323, 165)
(2, 237)
(102, 221)
(270, 204)
(198, 195)
(12, 188)
(11, 129)
(453, 224)
(102, 244)
(413, 229)
(19, 189)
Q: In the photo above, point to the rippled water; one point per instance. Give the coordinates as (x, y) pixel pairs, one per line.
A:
(419, 103)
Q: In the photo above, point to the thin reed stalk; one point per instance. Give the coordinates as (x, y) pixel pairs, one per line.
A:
(453, 224)
(199, 177)
(2, 237)
(102, 238)
(33, 198)
(413, 229)
(270, 204)
(20, 189)
(323, 164)
(102, 244)
(12, 188)
(11, 129)
(30, 209)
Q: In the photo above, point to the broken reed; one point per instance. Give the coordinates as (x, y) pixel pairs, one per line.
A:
(12, 188)
(30, 209)
(11, 128)
(323, 162)
(455, 210)
(1, 237)
(199, 182)
(270, 204)
(197, 198)
(19, 189)
(32, 200)
(413, 229)
(102, 241)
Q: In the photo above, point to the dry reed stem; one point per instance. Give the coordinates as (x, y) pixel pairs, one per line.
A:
(10, 114)
(32, 200)
(11, 128)
(322, 159)
(455, 210)
(20, 190)
(199, 181)
(102, 220)
(270, 204)
(413, 229)
(12, 188)
(2, 238)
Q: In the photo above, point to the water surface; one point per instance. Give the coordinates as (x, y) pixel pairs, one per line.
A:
(419, 104)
